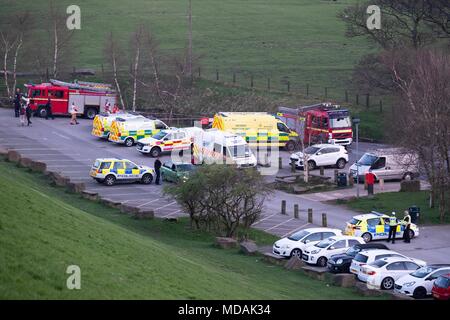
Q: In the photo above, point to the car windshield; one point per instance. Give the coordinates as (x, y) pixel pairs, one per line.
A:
(352, 251)
(354, 221)
(367, 159)
(185, 167)
(96, 164)
(325, 243)
(422, 272)
(239, 151)
(299, 235)
(442, 282)
(378, 263)
(160, 135)
(311, 150)
(341, 122)
(361, 258)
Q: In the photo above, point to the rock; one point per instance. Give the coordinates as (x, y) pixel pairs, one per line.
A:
(410, 186)
(274, 259)
(226, 243)
(171, 219)
(317, 273)
(294, 263)
(345, 280)
(76, 187)
(25, 162)
(129, 209)
(13, 156)
(362, 289)
(144, 214)
(58, 179)
(38, 166)
(90, 195)
(3, 152)
(248, 247)
(111, 203)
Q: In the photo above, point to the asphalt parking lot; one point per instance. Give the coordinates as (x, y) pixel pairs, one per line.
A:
(71, 150)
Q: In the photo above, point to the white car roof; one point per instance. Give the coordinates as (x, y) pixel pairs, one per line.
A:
(395, 259)
(375, 252)
(314, 230)
(369, 216)
(323, 145)
(342, 237)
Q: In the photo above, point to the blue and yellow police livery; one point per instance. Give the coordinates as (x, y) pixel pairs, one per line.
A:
(110, 171)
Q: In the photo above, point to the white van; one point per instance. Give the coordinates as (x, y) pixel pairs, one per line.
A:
(129, 131)
(387, 164)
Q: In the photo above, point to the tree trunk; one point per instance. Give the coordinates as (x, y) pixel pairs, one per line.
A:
(5, 71)
(16, 53)
(136, 65)
(116, 80)
(55, 52)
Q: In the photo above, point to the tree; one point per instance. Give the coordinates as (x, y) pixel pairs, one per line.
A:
(113, 54)
(137, 42)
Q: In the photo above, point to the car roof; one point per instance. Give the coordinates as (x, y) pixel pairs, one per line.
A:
(371, 215)
(377, 251)
(323, 145)
(320, 230)
(111, 159)
(343, 237)
(396, 259)
(364, 246)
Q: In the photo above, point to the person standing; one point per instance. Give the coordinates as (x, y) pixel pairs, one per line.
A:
(73, 112)
(28, 113)
(407, 222)
(370, 181)
(392, 227)
(48, 109)
(107, 107)
(116, 108)
(157, 170)
(22, 113)
(17, 102)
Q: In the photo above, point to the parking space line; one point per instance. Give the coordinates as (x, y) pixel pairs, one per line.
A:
(169, 204)
(295, 230)
(168, 215)
(279, 224)
(265, 218)
(148, 202)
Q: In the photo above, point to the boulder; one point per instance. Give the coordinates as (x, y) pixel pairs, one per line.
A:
(13, 156)
(58, 179)
(3, 152)
(248, 247)
(294, 263)
(274, 259)
(410, 186)
(25, 162)
(144, 214)
(345, 280)
(76, 187)
(317, 273)
(124, 208)
(111, 203)
(362, 289)
(38, 166)
(226, 243)
(90, 195)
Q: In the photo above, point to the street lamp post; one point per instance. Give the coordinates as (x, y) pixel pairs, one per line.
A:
(356, 122)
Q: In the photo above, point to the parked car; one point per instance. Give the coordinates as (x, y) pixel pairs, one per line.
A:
(441, 287)
(319, 253)
(112, 170)
(295, 243)
(420, 283)
(382, 273)
(340, 263)
(174, 172)
(365, 257)
(319, 155)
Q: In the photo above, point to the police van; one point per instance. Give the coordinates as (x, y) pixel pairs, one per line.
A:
(166, 140)
(129, 131)
(112, 170)
(101, 125)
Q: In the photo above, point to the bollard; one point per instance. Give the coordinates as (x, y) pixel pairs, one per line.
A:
(322, 171)
(350, 180)
(280, 163)
(336, 171)
(365, 184)
(310, 215)
(292, 166)
(296, 211)
(283, 206)
(324, 220)
(381, 184)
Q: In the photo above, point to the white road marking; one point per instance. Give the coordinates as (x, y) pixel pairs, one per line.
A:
(265, 218)
(167, 215)
(323, 196)
(61, 135)
(169, 204)
(296, 229)
(279, 224)
(146, 203)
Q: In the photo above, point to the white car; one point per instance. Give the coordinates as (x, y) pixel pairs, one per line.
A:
(419, 283)
(319, 155)
(383, 273)
(319, 253)
(365, 257)
(165, 141)
(295, 243)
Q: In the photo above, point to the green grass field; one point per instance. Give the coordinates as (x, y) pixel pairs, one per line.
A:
(398, 202)
(44, 229)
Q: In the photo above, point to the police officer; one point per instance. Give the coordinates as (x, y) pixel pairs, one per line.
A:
(17, 102)
(157, 169)
(48, 108)
(392, 227)
(407, 222)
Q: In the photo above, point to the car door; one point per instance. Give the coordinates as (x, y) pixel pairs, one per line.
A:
(320, 157)
(119, 170)
(131, 170)
(167, 142)
(313, 238)
(396, 269)
(429, 280)
(374, 227)
(332, 156)
(379, 168)
(337, 248)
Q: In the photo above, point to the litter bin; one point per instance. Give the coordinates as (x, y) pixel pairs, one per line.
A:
(414, 212)
(342, 179)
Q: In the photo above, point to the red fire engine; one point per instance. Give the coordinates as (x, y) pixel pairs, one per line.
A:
(90, 98)
(319, 123)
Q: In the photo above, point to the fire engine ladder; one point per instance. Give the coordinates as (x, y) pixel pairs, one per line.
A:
(88, 86)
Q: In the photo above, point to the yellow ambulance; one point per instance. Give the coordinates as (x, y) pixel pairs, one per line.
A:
(101, 124)
(257, 128)
(129, 131)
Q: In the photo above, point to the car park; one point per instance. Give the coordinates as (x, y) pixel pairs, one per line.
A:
(375, 226)
(420, 282)
(175, 172)
(112, 170)
(340, 263)
(295, 243)
(441, 288)
(382, 273)
(319, 253)
(165, 141)
(365, 257)
(319, 155)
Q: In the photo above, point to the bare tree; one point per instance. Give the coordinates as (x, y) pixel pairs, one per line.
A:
(8, 43)
(189, 53)
(113, 52)
(137, 42)
(23, 22)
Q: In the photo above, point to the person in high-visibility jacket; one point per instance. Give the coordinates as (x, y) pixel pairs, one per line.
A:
(407, 222)
(392, 227)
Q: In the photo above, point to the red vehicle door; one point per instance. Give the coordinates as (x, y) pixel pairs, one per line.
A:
(58, 98)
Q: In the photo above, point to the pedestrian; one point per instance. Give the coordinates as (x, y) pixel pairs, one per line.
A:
(17, 102)
(22, 113)
(157, 170)
(370, 180)
(73, 112)
(28, 113)
(107, 107)
(392, 227)
(116, 108)
(48, 110)
(407, 222)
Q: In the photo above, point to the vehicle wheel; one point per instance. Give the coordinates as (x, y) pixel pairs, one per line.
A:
(367, 237)
(296, 253)
(155, 152)
(311, 165)
(408, 176)
(42, 112)
(90, 113)
(387, 283)
(420, 293)
(129, 142)
(147, 178)
(411, 234)
(340, 164)
(290, 145)
(322, 262)
(110, 180)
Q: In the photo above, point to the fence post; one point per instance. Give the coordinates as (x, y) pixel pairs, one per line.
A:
(251, 81)
(324, 220)
(199, 73)
(326, 93)
(46, 74)
(234, 77)
(292, 166)
(351, 181)
(288, 86)
(368, 100)
(283, 206)
(296, 211)
(346, 96)
(268, 84)
(381, 106)
(307, 89)
(357, 99)
(310, 215)
(280, 163)
(217, 74)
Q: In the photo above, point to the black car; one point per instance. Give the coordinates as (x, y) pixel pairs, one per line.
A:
(340, 263)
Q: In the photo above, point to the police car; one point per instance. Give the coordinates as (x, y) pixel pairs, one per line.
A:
(375, 226)
(110, 171)
(165, 141)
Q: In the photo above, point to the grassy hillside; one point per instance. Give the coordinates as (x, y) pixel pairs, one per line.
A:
(44, 229)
